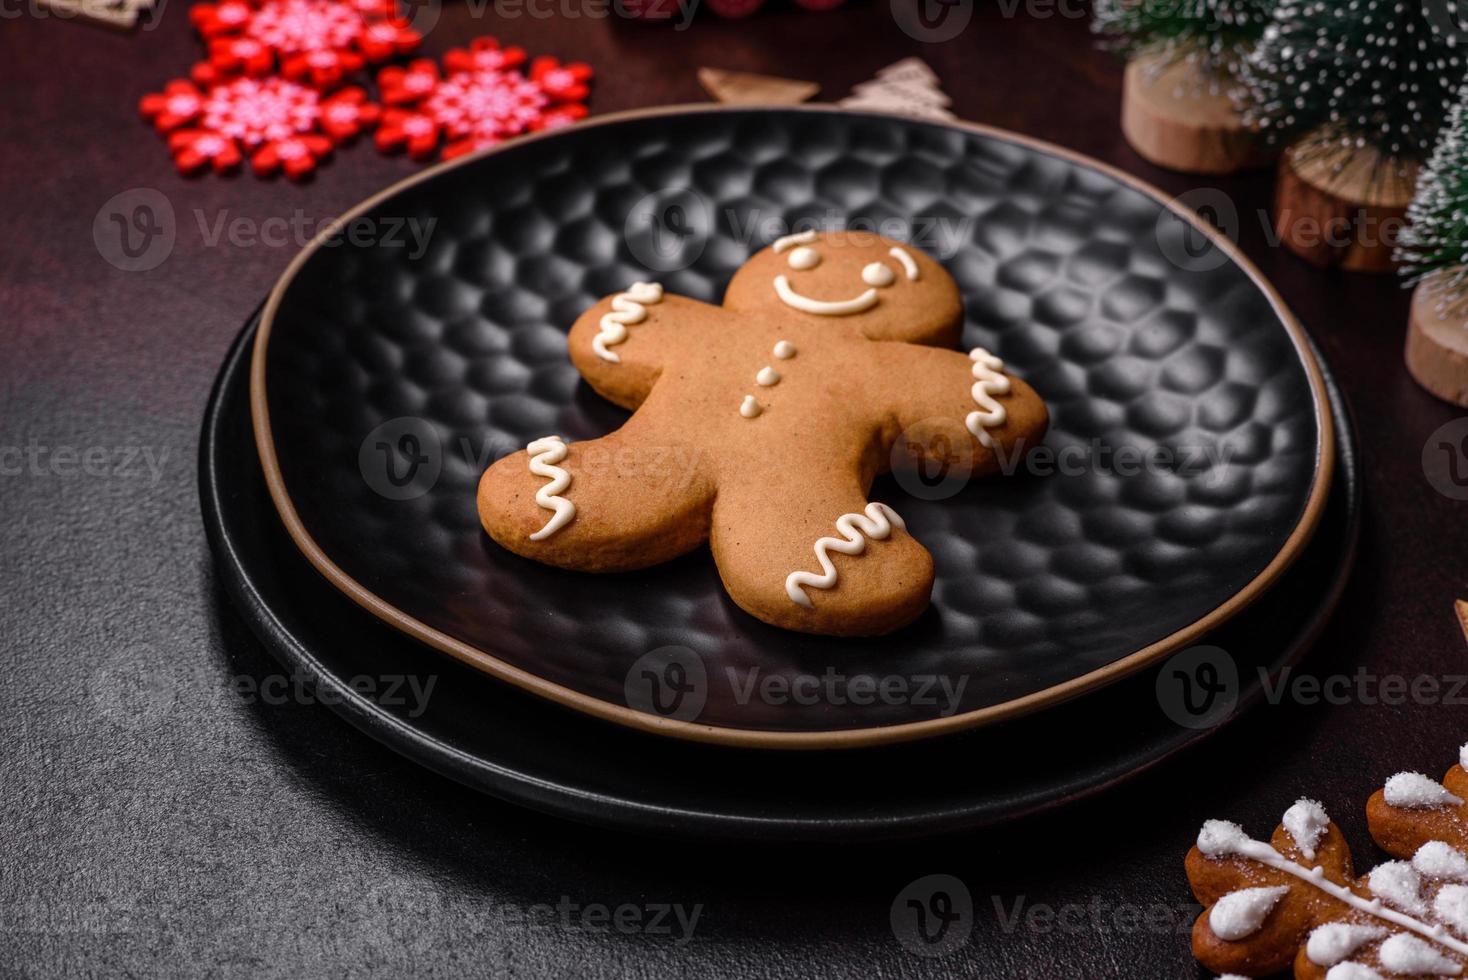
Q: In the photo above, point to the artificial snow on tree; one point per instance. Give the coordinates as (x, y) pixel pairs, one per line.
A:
(1295, 900)
(1359, 90)
(1183, 58)
(1434, 256)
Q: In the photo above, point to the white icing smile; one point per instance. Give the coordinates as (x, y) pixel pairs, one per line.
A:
(876, 275)
(820, 307)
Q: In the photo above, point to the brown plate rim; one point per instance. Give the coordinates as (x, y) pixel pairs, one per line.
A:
(840, 738)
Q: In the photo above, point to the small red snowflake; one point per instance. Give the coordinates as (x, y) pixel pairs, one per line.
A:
(278, 124)
(319, 42)
(481, 100)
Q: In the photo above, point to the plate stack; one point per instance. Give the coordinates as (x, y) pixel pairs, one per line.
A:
(1121, 595)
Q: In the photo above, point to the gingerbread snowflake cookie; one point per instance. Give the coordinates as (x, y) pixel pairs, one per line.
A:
(759, 427)
(1295, 901)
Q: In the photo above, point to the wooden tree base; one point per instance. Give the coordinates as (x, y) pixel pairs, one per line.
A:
(1437, 345)
(1335, 209)
(1176, 117)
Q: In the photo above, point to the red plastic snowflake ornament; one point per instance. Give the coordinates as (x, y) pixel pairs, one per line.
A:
(315, 41)
(480, 102)
(280, 125)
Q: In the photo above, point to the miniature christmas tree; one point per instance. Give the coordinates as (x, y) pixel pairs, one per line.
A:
(909, 88)
(1436, 240)
(1377, 74)
(1359, 90)
(1434, 255)
(1183, 58)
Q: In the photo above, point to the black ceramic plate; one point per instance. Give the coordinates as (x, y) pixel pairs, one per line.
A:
(505, 742)
(1146, 334)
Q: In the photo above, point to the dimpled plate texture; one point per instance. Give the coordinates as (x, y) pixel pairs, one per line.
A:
(1136, 330)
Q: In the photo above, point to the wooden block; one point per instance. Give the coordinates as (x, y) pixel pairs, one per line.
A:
(1176, 117)
(1345, 209)
(746, 88)
(1437, 349)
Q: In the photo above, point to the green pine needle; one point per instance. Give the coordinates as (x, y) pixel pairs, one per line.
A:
(1219, 32)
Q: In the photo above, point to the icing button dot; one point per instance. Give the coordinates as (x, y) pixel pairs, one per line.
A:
(877, 274)
(767, 377)
(804, 258)
(784, 350)
(750, 408)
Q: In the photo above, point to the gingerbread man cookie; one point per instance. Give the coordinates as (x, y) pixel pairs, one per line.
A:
(759, 426)
(1296, 902)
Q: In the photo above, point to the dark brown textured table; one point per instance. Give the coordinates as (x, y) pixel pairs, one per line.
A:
(219, 837)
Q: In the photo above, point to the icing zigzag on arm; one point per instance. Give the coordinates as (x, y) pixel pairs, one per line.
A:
(544, 454)
(988, 382)
(627, 308)
(876, 524)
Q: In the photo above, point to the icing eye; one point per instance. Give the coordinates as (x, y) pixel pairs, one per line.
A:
(877, 274)
(804, 258)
